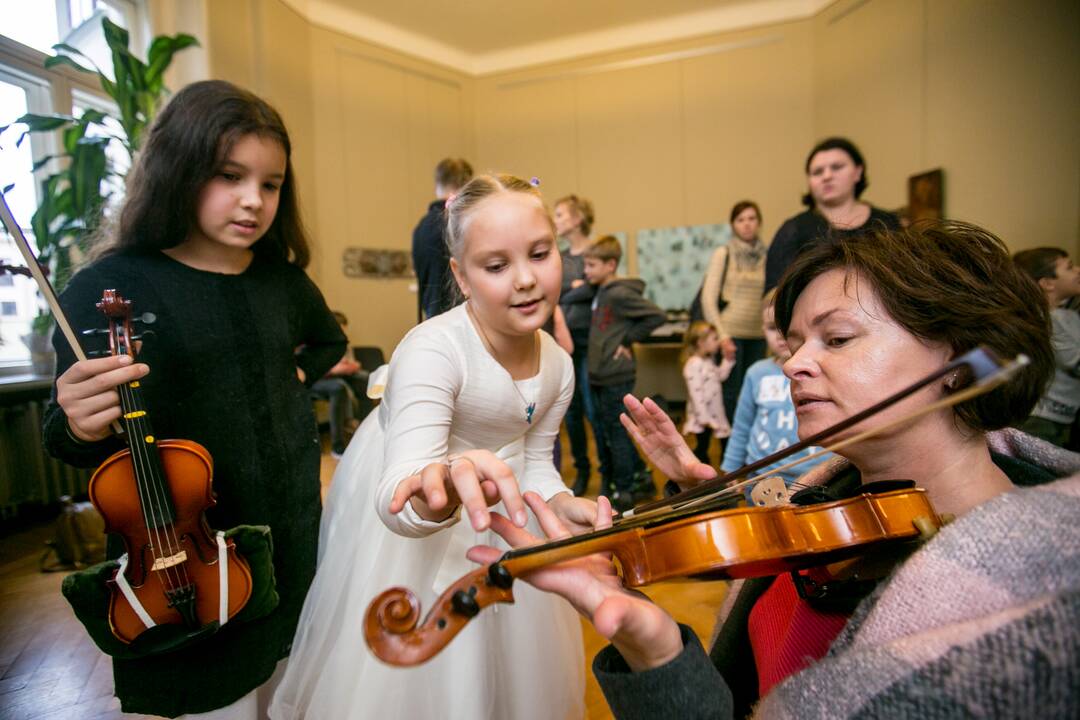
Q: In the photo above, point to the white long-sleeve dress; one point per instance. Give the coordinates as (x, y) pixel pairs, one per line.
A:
(444, 394)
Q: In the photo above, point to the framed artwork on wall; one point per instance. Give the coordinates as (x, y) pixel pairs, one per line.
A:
(926, 196)
(369, 263)
(672, 261)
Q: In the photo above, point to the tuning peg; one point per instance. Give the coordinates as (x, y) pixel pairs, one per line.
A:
(147, 318)
(143, 334)
(98, 353)
(96, 331)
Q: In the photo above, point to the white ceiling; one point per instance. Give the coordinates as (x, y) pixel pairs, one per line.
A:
(485, 36)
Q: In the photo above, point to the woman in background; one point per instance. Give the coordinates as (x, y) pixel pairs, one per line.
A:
(836, 177)
(574, 218)
(731, 296)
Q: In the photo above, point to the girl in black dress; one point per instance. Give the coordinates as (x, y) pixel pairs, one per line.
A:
(210, 241)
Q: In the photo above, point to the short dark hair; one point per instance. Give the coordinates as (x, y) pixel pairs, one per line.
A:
(947, 282)
(838, 143)
(743, 205)
(185, 147)
(453, 173)
(605, 248)
(1039, 263)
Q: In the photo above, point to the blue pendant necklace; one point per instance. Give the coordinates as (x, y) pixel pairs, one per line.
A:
(530, 406)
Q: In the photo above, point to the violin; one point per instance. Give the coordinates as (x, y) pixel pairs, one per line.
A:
(154, 495)
(696, 534)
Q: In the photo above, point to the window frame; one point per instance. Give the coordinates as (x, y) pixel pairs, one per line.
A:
(51, 91)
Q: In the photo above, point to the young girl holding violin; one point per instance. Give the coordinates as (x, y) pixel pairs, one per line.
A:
(980, 621)
(473, 402)
(210, 242)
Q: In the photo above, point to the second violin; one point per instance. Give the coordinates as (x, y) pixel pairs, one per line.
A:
(176, 571)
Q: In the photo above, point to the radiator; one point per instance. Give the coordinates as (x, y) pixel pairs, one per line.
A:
(27, 474)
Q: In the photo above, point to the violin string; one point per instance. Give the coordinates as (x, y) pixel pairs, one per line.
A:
(159, 488)
(152, 471)
(629, 521)
(955, 398)
(141, 469)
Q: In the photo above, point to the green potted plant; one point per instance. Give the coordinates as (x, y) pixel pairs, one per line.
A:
(73, 199)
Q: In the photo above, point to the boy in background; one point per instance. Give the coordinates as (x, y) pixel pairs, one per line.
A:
(1059, 279)
(621, 316)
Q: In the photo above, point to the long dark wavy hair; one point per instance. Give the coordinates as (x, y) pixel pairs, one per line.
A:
(185, 147)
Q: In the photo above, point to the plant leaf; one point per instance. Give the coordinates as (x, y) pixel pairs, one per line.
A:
(160, 56)
(116, 36)
(54, 60)
(90, 115)
(76, 51)
(41, 123)
(37, 165)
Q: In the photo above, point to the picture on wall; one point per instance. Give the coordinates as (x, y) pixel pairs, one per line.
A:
(369, 263)
(672, 261)
(926, 196)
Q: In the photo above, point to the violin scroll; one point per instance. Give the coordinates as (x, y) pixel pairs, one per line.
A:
(392, 627)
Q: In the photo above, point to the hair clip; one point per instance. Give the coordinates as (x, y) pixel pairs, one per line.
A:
(535, 182)
(449, 199)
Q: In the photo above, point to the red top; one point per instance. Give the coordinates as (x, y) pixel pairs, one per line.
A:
(787, 634)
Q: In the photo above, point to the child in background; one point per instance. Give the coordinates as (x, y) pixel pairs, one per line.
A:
(336, 388)
(621, 316)
(210, 241)
(1059, 280)
(705, 416)
(765, 416)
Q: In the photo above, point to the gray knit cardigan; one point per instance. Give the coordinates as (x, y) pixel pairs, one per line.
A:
(981, 622)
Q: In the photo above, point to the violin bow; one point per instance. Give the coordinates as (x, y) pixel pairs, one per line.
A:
(987, 372)
(34, 270)
(43, 283)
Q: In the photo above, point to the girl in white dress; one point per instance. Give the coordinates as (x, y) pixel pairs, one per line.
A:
(472, 407)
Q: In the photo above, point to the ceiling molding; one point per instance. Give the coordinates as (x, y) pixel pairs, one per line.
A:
(721, 19)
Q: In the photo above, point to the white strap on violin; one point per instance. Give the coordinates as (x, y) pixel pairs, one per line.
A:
(223, 584)
(223, 579)
(129, 594)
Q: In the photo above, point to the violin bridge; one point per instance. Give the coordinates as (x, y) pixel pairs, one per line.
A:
(162, 563)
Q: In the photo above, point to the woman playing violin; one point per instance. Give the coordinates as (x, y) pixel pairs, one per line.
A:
(983, 619)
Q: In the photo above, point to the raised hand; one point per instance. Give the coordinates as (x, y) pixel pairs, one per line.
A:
(657, 436)
(475, 479)
(86, 392)
(644, 634)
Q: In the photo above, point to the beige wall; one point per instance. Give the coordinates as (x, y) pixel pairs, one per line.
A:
(382, 122)
(666, 135)
(368, 126)
(988, 90)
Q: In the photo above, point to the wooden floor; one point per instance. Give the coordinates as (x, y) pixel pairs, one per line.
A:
(49, 669)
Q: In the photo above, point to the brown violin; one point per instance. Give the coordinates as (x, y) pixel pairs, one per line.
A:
(155, 495)
(696, 534)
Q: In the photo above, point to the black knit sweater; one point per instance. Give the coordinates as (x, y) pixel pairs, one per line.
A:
(807, 228)
(223, 361)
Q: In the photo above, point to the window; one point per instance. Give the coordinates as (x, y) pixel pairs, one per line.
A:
(40, 24)
(27, 34)
(19, 94)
